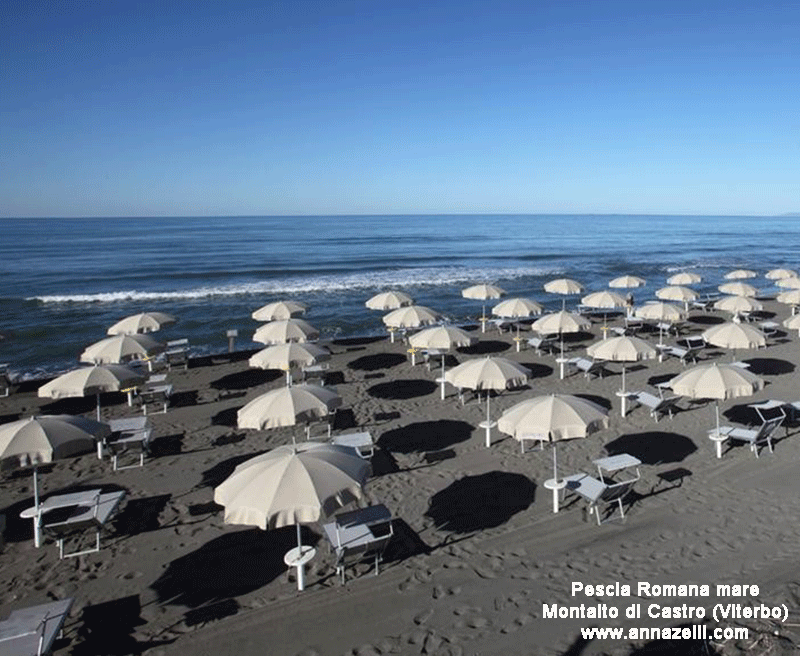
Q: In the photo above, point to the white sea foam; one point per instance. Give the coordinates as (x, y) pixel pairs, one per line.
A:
(406, 278)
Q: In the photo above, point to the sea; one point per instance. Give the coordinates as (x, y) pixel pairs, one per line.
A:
(63, 282)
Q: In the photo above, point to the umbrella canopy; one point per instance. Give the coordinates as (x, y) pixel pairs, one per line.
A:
(738, 289)
(91, 380)
(740, 274)
(789, 283)
(483, 292)
(563, 286)
(627, 282)
(660, 311)
(792, 323)
(287, 356)
(292, 485)
(558, 416)
(716, 381)
(487, 374)
(121, 348)
(288, 406)
(515, 308)
(412, 316)
(441, 337)
(737, 304)
(279, 311)
(560, 323)
(684, 278)
(779, 274)
(676, 293)
(789, 297)
(734, 335)
(144, 322)
(286, 330)
(622, 349)
(390, 300)
(604, 300)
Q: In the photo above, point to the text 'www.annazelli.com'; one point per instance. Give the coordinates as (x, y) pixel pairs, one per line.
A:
(693, 632)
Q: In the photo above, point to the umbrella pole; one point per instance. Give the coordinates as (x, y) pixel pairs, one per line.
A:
(98, 406)
(624, 397)
(488, 422)
(37, 540)
(442, 378)
(301, 582)
(553, 483)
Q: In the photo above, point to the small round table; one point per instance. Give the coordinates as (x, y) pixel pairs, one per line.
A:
(556, 485)
(488, 425)
(718, 439)
(561, 362)
(297, 558)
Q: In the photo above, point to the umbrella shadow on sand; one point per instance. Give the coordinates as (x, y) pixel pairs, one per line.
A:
(242, 380)
(425, 436)
(376, 362)
(222, 470)
(597, 400)
(230, 565)
(80, 405)
(475, 503)
(399, 390)
(654, 447)
(538, 370)
(769, 366)
(485, 347)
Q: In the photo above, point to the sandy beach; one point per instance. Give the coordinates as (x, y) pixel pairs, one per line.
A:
(477, 551)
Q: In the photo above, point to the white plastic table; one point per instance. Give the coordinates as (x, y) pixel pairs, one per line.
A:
(361, 442)
(619, 462)
(297, 558)
(556, 486)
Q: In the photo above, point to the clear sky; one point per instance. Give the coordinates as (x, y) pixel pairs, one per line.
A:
(123, 108)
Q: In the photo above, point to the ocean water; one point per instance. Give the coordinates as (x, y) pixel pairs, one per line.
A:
(63, 282)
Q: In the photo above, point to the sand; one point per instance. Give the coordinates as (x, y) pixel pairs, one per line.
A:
(468, 571)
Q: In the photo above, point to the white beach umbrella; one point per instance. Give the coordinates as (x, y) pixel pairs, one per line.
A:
(660, 311)
(718, 382)
(490, 373)
(564, 286)
(789, 283)
(559, 323)
(288, 356)
(91, 380)
(789, 297)
(622, 349)
(792, 323)
(740, 274)
(121, 348)
(734, 335)
(677, 293)
(286, 330)
(684, 278)
(554, 417)
(288, 406)
(279, 311)
(144, 322)
(412, 316)
(297, 484)
(627, 282)
(779, 274)
(738, 304)
(604, 300)
(483, 292)
(390, 300)
(738, 289)
(441, 337)
(517, 308)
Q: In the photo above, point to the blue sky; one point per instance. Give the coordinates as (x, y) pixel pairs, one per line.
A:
(119, 108)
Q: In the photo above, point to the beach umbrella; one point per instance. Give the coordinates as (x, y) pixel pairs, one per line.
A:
(792, 323)
(677, 293)
(560, 323)
(287, 356)
(412, 316)
(622, 349)
(738, 304)
(553, 417)
(789, 283)
(288, 406)
(38, 440)
(91, 380)
(564, 286)
(627, 282)
(390, 300)
(441, 337)
(517, 308)
(490, 373)
(604, 300)
(279, 311)
(483, 292)
(740, 274)
(684, 278)
(789, 297)
(144, 322)
(288, 485)
(734, 335)
(286, 330)
(779, 274)
(661, 312)
(718, 382)
(121, 348)
(738, 289)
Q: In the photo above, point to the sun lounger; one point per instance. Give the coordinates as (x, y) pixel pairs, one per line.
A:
(588, 367)
(126, 435)
(315, 371)
(683, 354)
(597, 493)
(358, 535)
(32, 631)
(658, 406)
(755, 437)
(156, 395)
(177, 353)
(547, 343)
(361, 442)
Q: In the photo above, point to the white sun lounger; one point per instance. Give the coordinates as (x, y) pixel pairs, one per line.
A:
(32, 631)
(596, 493)
(658, 406)
(588, 367)
(755, 437)
(358, 535)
